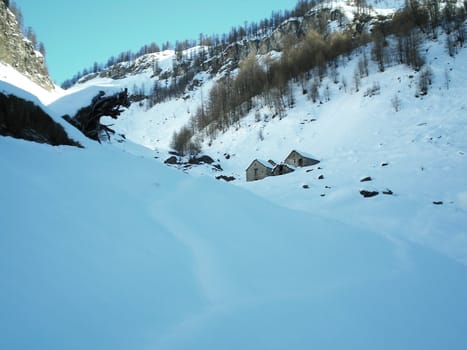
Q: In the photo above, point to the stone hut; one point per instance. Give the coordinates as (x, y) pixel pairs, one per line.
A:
(300, 159)
(282, 169)
(258, 170)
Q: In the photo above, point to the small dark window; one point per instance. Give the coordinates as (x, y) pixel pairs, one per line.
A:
(300, 162)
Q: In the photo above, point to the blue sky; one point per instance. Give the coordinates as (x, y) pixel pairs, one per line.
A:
(78, 33)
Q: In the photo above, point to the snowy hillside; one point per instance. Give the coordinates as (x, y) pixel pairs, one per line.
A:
(352, 133)
(106, 248)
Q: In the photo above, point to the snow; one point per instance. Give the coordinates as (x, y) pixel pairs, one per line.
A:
(107, 248)
(104, 249)
(12, 77)
(423, 144)
(264, 163)
(305, 154)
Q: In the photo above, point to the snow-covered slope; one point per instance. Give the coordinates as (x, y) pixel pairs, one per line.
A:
(423, 144)
(104, 249)
(8, 75)
(423, 147)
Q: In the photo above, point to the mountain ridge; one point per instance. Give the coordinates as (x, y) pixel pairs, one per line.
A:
(17, 51)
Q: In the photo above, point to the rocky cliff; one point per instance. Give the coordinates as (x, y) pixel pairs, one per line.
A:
(18, 52)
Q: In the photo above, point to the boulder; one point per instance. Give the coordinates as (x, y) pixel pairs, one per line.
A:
(171, 160)
(368, 194)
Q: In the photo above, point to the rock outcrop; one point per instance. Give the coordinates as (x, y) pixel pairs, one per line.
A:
(24, 120)
(17, 51)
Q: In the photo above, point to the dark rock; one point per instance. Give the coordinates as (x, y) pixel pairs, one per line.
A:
(309, 170)
(174, 153)
(24, 120)
(384, 164)
(438, 202)
(227, 156)
(321, 177)
(366, 179)
(225, 178)
(171, 160)
(217, 167)
(368, 194)
(388, 192)
(200, 160)
(327, 187)
(306, 186)
(323, 195)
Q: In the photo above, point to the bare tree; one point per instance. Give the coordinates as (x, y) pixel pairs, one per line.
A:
(356, 81)
(396, 103)
(379, 50)
(314, 90)
(447, 79)
(425, 79)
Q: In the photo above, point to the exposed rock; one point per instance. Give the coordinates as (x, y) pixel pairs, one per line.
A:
(438, 202)
(18, 52)
(388, 192)
(321, 177)
(305, 186)
(200, 160)
(171, 160)
(270, 41)
(23, 119)
(366, 179)
(225, 178)
(384, 164)
(175, 153)
(289, 30)
(368, 194)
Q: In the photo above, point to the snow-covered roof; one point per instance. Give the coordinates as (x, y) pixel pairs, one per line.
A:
(262, 162)
(304, 154)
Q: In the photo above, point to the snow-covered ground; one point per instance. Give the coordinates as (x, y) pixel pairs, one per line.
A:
(106, 248)
(423, 144)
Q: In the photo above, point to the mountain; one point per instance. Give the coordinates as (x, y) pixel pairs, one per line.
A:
(25, 88)
(19, 52)
(106, 247)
